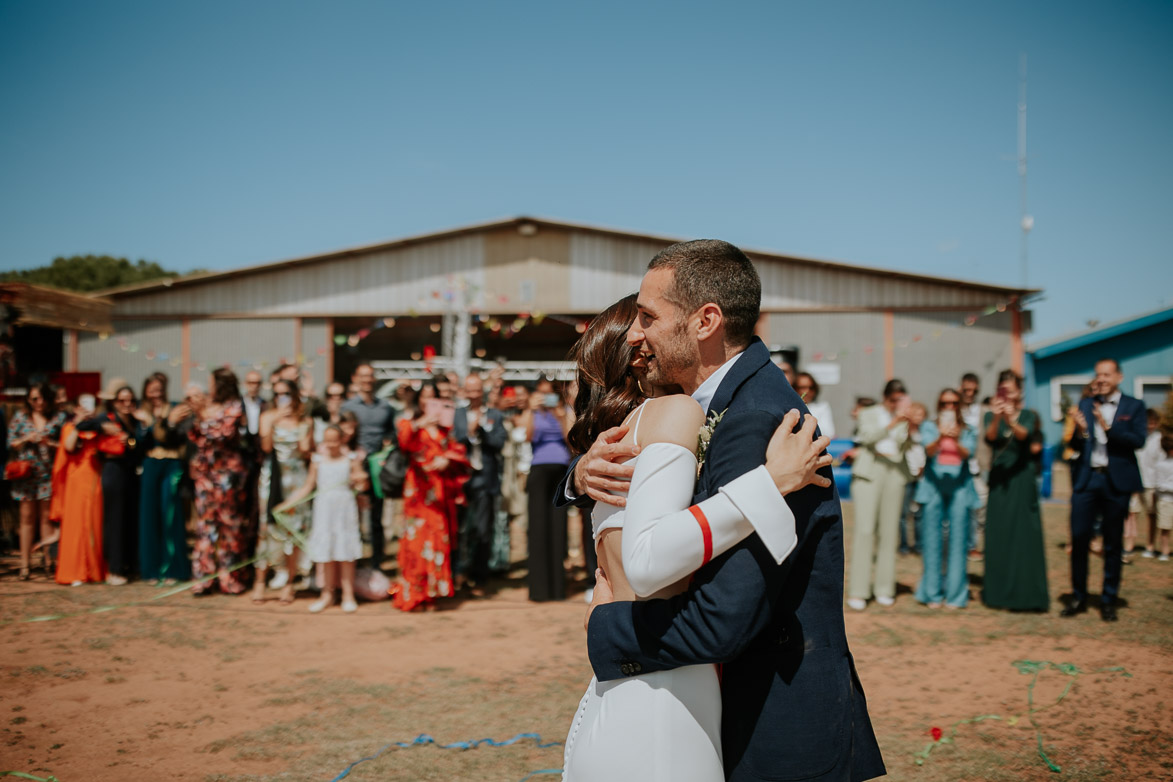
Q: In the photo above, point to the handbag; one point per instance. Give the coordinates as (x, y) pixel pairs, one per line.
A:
(112, 446)
(375, 464)
(394, 474)
(18, 470)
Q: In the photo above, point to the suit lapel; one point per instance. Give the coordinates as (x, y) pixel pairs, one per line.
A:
(752, 359)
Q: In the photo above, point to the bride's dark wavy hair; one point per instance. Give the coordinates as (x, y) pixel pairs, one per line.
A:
(607, 388)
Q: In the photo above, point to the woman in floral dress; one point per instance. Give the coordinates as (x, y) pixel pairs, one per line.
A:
(219, 473)
(430, 495)
(33, 434)
(287, 438)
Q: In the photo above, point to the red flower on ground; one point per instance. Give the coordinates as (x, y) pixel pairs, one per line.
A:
(936, 733)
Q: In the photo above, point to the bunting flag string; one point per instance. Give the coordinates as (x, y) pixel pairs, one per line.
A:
(425, 740)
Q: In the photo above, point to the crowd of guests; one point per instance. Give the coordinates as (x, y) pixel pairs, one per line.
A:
(960, 483)
(231, 487)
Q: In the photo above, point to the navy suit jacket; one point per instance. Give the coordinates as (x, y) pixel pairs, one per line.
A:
(488, 478)
(793, 707)
(1127, 434)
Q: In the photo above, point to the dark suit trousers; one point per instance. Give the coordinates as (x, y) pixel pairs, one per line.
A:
(1097, 498)
(547, 534)
(377, 538)
(120, 516)
(476, 533)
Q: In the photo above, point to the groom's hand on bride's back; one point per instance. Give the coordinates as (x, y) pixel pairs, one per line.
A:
(598, 473)
(794, 458)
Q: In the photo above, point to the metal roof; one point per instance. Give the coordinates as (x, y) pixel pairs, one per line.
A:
(1100, 333)
(198, 279)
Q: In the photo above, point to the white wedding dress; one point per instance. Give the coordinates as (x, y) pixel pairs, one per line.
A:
(665, 726)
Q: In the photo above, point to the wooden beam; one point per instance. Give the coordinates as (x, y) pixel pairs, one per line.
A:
(51, 308)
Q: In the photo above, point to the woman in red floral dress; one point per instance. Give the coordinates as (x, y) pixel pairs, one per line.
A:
(431, 492)
(219, 473)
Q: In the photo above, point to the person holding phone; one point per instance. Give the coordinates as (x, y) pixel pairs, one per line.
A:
(879, 475)
(77, 502)
(946, 493)
(287, 442)
(1016, 565)
(431, 493)
(33, 434)
(547, 423)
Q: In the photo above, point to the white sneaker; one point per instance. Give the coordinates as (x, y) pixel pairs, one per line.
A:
(349, 606)
(886, 601)
(77, 583)
(1163, 558)
(856, 603)
(321, 604)
(280, 578)
(1149, 554)
(588, 595)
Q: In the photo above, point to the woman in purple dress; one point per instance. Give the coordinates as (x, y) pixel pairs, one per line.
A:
(547, 421)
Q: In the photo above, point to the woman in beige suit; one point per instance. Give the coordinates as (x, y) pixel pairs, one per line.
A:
(879, 474)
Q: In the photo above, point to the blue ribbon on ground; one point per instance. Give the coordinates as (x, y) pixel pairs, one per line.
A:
(424, 739)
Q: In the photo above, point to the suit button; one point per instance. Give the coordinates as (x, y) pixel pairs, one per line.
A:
(624, 669)
(636, 667)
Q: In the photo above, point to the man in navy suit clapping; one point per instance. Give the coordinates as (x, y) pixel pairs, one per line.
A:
(1109, 428)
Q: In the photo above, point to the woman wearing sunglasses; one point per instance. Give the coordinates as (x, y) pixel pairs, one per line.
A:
(946, 493)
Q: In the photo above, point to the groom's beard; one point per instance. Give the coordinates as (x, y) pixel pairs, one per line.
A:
(673, 359)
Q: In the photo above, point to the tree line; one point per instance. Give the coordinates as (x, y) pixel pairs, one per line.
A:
(87, 273)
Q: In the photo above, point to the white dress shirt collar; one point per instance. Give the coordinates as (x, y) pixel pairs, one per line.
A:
(708, 389)
(1112, 398)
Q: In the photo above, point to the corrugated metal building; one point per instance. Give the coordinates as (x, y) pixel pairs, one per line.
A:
(530, 284)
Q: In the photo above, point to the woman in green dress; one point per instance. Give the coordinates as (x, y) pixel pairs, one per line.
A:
(1016, 566)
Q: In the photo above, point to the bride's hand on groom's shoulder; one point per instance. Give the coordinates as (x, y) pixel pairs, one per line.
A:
(598, 472)
(793, 458)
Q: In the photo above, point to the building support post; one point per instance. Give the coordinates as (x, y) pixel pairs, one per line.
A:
(329, 351)
(761, 329)
(185, 354)
(298, 356)
(1017, 359)
(73, 350)
(889, 345)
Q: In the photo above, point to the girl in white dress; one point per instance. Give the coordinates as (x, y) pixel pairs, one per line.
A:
(666, 725)
(334, 539)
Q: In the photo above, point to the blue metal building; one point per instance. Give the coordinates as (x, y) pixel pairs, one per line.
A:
(1058, 370)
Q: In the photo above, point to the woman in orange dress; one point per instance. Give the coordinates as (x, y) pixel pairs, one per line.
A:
(77, 505)
(431, 492)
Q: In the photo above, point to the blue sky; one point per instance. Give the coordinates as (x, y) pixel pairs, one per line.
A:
(220, 134)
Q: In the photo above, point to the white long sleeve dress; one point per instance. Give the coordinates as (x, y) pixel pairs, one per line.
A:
(665, 726)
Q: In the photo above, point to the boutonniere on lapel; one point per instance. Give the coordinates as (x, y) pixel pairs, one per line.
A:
(704, 436)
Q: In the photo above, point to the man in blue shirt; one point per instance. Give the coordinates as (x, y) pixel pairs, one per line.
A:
(376, 430)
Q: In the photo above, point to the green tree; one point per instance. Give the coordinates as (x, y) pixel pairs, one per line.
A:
(85, 273)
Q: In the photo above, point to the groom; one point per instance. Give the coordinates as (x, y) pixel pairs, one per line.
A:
(793, 707)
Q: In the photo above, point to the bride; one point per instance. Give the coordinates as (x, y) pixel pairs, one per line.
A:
(666, 725)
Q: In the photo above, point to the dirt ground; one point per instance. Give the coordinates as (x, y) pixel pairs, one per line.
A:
(220, 689)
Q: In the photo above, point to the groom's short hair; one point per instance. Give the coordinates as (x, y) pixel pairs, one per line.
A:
(710, 270)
